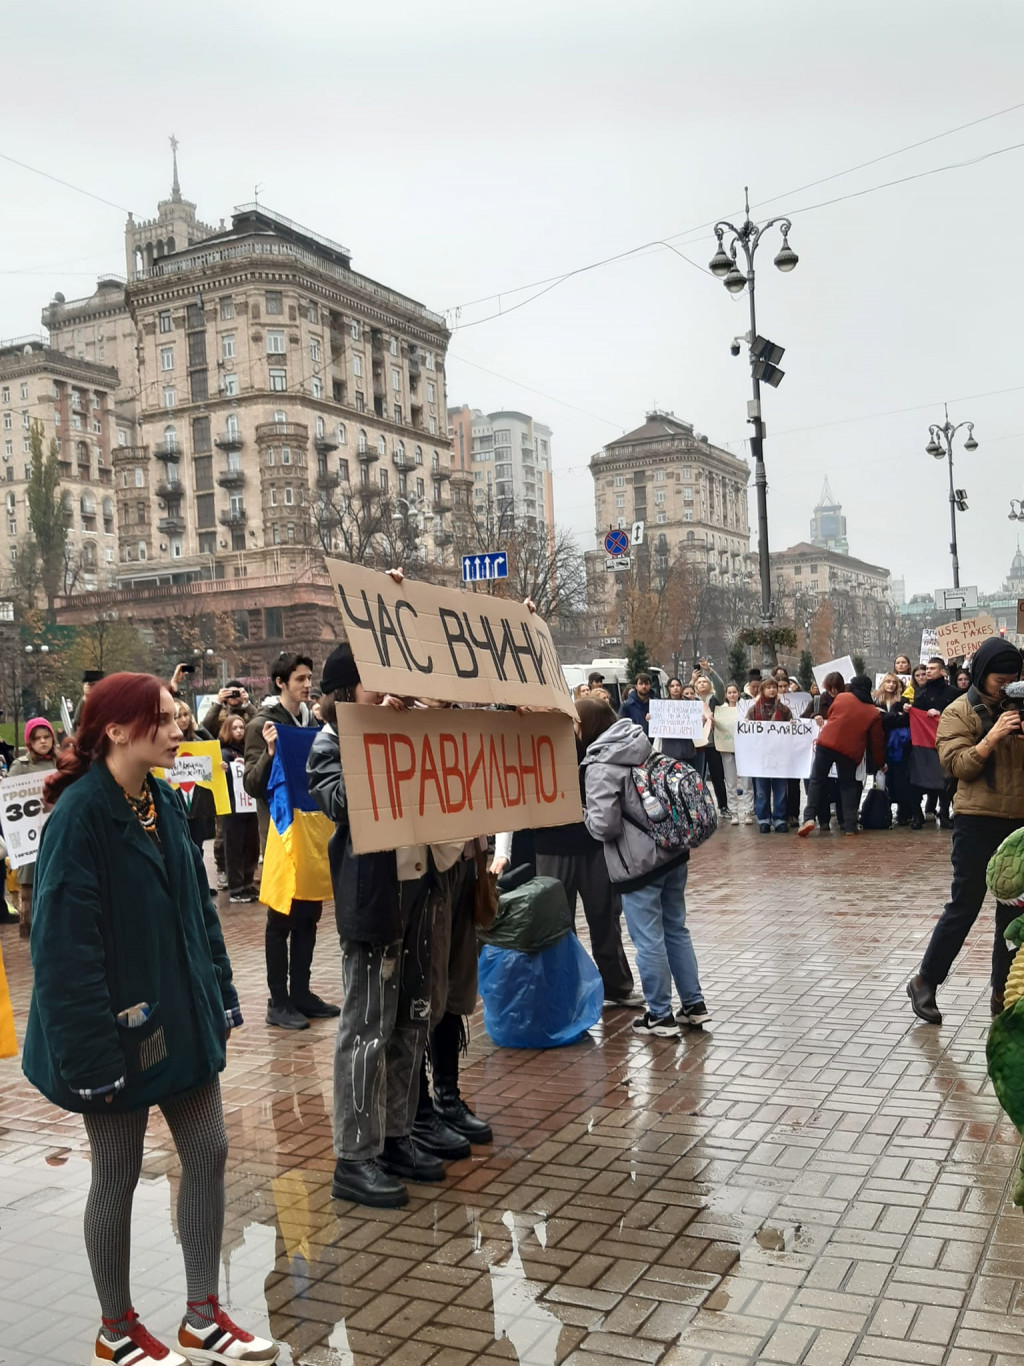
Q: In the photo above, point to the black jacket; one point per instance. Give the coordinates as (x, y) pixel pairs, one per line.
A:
(367, 907)
(935, 694)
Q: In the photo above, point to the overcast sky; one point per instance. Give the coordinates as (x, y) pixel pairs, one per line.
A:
(463, 150)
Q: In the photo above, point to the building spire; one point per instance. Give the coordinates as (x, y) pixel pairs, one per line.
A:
(175, 187)
(827, 498)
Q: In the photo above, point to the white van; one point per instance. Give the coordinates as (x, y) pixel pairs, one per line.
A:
(616, 678)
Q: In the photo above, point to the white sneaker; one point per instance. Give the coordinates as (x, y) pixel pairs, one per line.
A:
(734, 819)
(748, 819)
(137, 1348)
(223, 1341)
(222, 880)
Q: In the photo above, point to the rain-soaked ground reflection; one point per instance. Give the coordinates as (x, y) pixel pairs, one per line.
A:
(813, 1178)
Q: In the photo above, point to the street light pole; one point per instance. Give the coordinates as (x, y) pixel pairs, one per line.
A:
(747, 238)
(943, 450)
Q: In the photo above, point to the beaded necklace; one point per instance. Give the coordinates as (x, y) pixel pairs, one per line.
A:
(145, 810)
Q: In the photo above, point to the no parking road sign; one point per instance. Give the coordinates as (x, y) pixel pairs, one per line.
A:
(616, 542)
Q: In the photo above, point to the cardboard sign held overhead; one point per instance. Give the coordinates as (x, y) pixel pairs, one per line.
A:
(417, 640)
(673, 719)
(958, 638)
(843, 665)
(426, 776)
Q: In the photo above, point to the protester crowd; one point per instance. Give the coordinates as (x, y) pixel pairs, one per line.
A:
(123, 1019)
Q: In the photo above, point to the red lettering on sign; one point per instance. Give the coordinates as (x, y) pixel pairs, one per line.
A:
(479, 765)
(511, 772)
(494, 774)
(428, 774)
(382, 741)
(400, 774)
(449, 747)
(545, 747)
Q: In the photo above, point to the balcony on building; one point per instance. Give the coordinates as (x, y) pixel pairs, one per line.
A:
(231, 479)
(439, 471)
(327, 479)
(443, 538)
(169, 488)
(403, 461)
(171, 525)
(414, 360)
(233, 517)
(440, 506)
(230, 441)
(368, 454)
(325, 443)
(167, 450)
(282, 431)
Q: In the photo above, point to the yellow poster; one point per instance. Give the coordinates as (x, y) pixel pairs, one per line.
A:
(200, 764)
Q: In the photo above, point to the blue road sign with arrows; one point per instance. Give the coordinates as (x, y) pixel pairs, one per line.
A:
(616, 542)
(490, 564)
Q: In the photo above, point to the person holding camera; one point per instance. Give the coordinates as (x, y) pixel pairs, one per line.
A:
(232, 700)
(981, 746)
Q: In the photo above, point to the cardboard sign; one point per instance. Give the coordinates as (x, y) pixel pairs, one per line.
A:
(244, 804)
(929, 644)
(843, 665)
(426, 776)
(199, 763)
(957, 638)
(797, 702)
(417, 640)
(22, 816)
(676, 719)
(775, 749)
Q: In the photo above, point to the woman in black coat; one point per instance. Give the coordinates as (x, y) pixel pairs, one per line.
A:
(133, 1004)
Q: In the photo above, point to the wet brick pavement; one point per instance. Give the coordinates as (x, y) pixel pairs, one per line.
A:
(816, 1178)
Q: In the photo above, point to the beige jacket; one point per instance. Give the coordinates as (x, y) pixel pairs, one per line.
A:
(992, 789)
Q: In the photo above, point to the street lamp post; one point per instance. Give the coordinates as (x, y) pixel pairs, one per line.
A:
(35, 653)
(940, 445)
(764, 356)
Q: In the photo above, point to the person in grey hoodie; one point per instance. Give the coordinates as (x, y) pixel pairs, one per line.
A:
(652, 880)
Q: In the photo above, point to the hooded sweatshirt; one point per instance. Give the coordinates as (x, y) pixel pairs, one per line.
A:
(614, 812)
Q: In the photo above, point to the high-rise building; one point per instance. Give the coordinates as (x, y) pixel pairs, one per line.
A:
(509, 454)
(72, 400)
(828, 525)
(285, 405)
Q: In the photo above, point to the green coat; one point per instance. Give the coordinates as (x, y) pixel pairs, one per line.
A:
(114, 924)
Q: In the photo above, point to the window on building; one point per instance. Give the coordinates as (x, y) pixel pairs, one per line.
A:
(814, 569)
(227, 346)
(316, 386)
(360, 401)
(8, 422)
(341, 434)
(275, 342)
(164, 317)
(432, 426)
(357, 366)
(142, 550)
(343, 471)
(203, 472)
(278, 381)
(314, 349)
(201, 435)
(169, 396)
(384, 480)
(687, 495)
(620, 500)
(199, 385)
(273, 623)
(688, 515)
(659, 476)
(398, 413)
(393, 346)
(355, 329)
(431, 393)
(227, 308)
(273, 496)
(419, 455)
(5, 393)
(659, 496)
(275, 303)
(661, 518)
(140, 477)
(428, 359)
(24, 391)
(231, 385)
(206, 510)
(420, 488)
(167, 358)
(814, 585)
(396, 381)
(289, 495)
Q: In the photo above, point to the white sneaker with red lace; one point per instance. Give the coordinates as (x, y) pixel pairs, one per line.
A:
(222, 1341)
(137, 1347)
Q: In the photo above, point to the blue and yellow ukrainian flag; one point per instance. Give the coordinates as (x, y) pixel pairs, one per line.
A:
(295, 866)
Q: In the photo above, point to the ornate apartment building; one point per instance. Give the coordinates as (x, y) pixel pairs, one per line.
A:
(690, 495)
(277, 404)
(73, 401)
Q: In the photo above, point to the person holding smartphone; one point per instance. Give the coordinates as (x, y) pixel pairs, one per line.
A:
(132, 1007)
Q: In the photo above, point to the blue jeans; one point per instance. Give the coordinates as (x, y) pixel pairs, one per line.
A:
(770, 802)
(656, 920)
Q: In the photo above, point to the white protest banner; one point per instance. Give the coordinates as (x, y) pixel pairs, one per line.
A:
(244, 804)
(676, 719)
(427, 776)
(22, 815)
(929, 644)
(190, 768)
(957, 638)
(797, 702)
(774, 749)
(417, 640)
(743, 705)
(843, 665)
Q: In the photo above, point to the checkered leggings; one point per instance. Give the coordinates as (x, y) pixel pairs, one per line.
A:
(196, 1122)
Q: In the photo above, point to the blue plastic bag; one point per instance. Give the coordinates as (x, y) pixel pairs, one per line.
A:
(540, 1000)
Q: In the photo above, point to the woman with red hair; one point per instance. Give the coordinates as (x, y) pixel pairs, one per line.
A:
(132, 1006)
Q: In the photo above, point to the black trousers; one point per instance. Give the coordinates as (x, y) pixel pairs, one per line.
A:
(940, 799)
(299, 925)
(585, 874)
(975, 840)
(716, 774)
(241, 835)
(847, 770)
